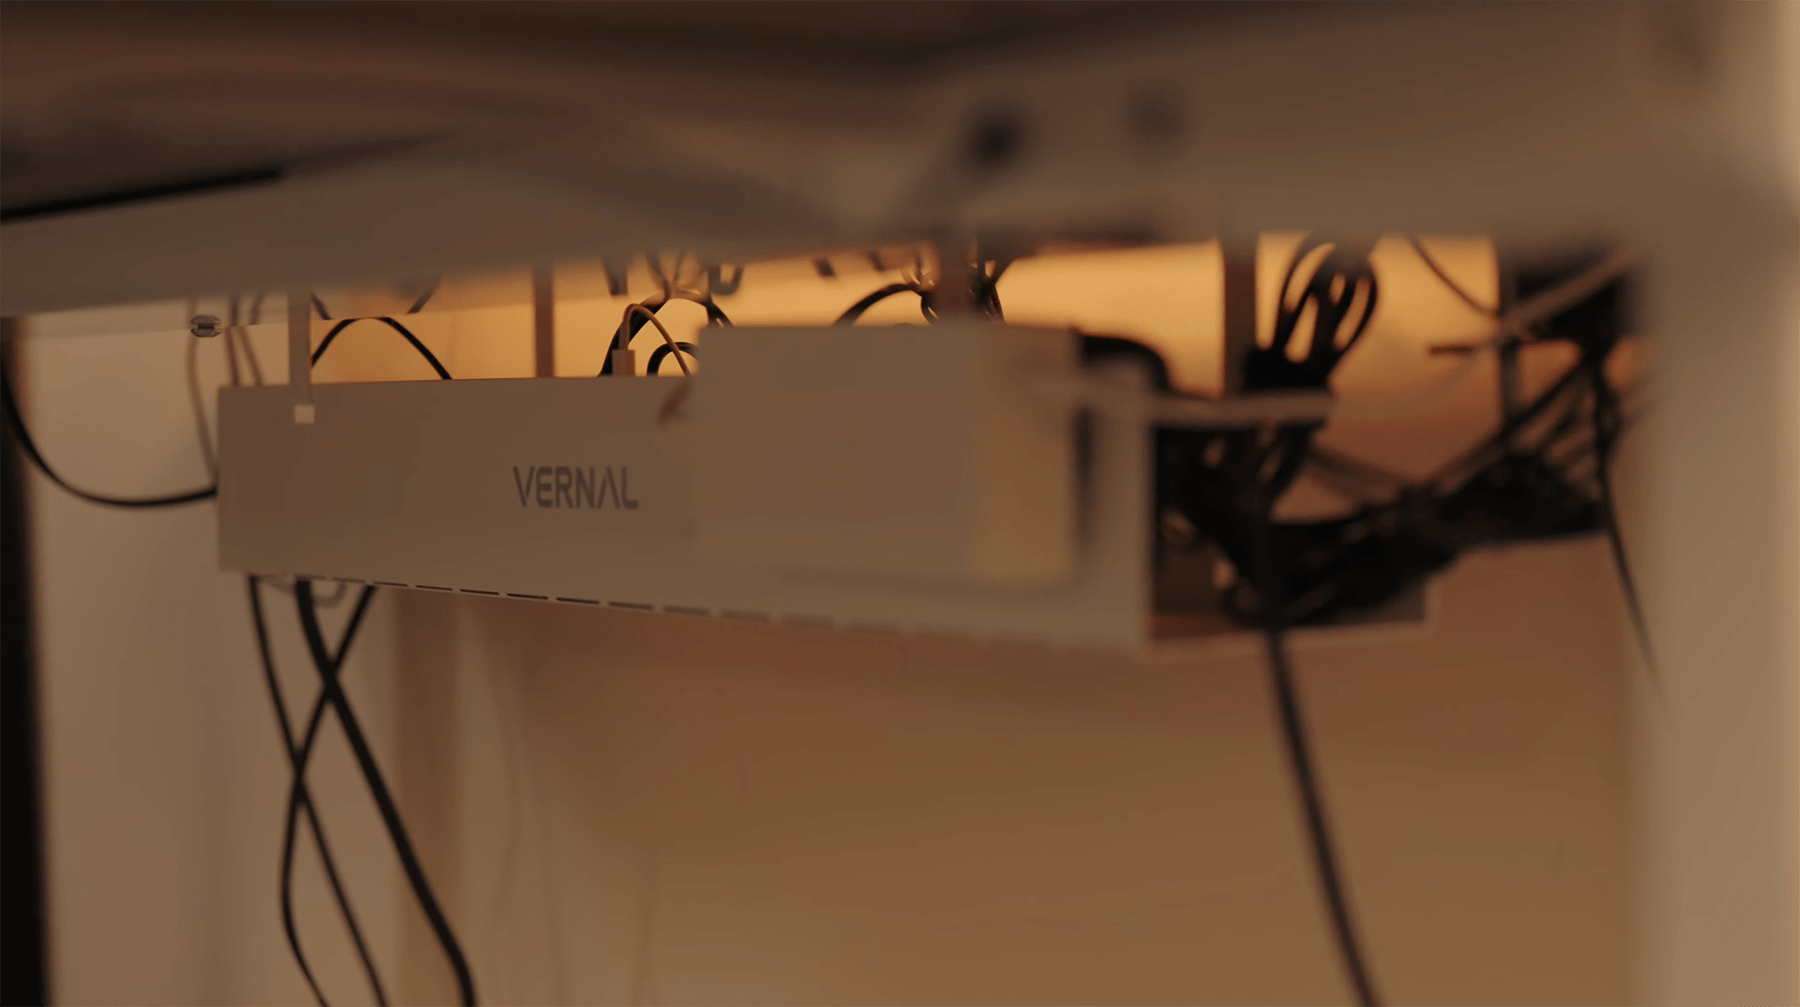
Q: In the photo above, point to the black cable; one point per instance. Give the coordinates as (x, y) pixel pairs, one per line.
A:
(1606, 426)
(1293, 729)
(299, 798)
(431, 359)
(1437, 270)
(1372, 553)
(306, 806)
(298, 793)
(1250, 493)
(664, 351)
(984, 294)
(1623, 564)
(302, 757)
(417, 306)
(1270, 367)
(390, 814)
(856, 310)
(1500, 439)
(1336, 294)
(987, 292)
(1294, 735)
(17, 422)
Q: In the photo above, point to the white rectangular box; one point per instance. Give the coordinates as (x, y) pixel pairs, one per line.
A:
(905, 451)
(577, 490)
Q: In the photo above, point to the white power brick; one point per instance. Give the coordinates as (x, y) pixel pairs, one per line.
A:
(913, 452)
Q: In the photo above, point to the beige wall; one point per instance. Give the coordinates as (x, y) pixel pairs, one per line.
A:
(621, 808)
(704, 812)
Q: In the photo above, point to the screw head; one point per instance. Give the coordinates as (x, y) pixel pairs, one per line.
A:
(205, 326)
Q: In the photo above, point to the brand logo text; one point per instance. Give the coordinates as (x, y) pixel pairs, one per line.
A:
(574, 486)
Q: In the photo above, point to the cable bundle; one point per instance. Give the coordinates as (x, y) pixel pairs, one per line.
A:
(1518, 483)
(644, 312)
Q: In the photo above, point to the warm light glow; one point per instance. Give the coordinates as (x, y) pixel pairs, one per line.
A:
(1400, 406)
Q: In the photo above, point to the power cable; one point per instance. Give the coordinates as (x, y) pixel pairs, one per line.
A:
(1336, 295)
(430, 358)
(417, 306)
(17, 422)
(855, 311)
(259, 622)
(301, 800)
(299, 797)
(1294, 733)
(643, 312)
(327, 668)
(1606, 423)
(985, 294)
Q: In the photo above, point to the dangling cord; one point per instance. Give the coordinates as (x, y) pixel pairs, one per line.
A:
(384, 801)
(29, 447)
(1606, 431)
(1294, 733)
(296, 762)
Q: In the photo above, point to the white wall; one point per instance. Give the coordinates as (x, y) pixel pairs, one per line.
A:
(661, 811)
